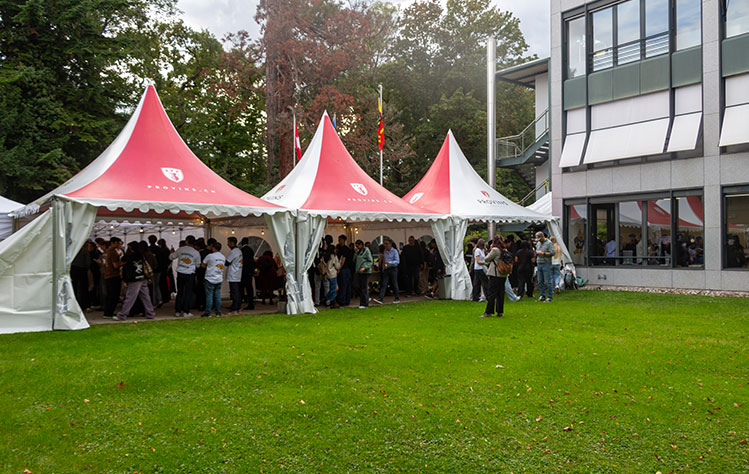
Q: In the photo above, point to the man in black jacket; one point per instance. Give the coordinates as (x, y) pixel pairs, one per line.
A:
(412, 261)
(248, 273)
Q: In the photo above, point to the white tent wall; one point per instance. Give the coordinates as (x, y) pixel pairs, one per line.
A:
(6, 220)
(449, 234)
(297, 237)
(36, 293)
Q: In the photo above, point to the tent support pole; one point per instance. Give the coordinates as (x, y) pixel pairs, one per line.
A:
(55, 238)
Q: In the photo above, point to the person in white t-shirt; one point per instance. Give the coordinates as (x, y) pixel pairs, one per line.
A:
(214, 264)
(234, 265)
(480, 280)
(188, 259)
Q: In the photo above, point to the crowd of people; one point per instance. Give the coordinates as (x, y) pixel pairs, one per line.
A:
(345, 270)
(141, 276)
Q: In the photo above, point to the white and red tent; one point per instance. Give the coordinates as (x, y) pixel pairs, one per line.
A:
(326, 183)
(451, 186)
(147, 169)
(7, 207)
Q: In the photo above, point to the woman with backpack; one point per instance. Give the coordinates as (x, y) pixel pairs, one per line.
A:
(499, 263)
(136, 273)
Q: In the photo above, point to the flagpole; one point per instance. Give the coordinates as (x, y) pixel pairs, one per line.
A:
(380, 87)
(293, 139)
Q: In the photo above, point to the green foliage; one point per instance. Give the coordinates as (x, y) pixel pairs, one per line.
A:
(596, 382)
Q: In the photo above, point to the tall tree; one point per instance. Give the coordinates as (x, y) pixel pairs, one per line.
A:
(60, 88)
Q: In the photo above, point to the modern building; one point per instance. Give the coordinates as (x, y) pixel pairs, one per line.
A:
(642, 128)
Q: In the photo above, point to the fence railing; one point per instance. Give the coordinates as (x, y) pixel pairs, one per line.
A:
(516, 145)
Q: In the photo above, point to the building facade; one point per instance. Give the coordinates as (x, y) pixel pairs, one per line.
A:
(648, 142)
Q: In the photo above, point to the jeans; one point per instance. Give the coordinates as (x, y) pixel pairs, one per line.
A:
(235, 292)
(480, 282)
(344, 279)
(363, 280)
(545, 285)
(555, 275)
(389, 275)
(333, 290)
(212, 297)
(113, 295)
(508, 291)
(185, 284)
(496, 296)
(135, 290)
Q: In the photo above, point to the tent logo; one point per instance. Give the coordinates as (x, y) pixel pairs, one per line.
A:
(415, 197)
(485, 193)
(173, 174)
(280, 188)
(359, 188)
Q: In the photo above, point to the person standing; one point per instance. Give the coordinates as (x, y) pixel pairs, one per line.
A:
(165, 275)
(234, 264)
(214, 264)
(363, 264)
(413, 261)
(332, 266)
(525, 260)
(480, 281)
(248, 274)
(135, 275)
(188, 259)
(544, 253)
(436, 270)
(94, 256)
(345, 274)
(390, 262)
(79, 276)
(112, 279)
(556, 264)
(155, 250)
(499, 261)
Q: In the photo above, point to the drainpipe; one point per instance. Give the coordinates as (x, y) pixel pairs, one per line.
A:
(491, 123)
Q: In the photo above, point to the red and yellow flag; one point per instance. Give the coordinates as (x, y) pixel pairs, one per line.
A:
(380, 126)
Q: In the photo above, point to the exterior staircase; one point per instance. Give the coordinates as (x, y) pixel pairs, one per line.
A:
(526, 150)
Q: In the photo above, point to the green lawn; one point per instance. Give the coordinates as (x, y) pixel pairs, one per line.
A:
(594, 382)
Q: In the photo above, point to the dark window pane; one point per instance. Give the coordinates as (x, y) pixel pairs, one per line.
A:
(630, 233)
(576, 47)
(737, 17)
(659, 232)
(577, 217)
(690, 232)
(688, 24)
(737, 231)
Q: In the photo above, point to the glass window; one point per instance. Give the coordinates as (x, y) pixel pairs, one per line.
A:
(628, 31)
(603, 249)
(737, 17)
(603, 39)
(737, 230)
(630, 233)
(656, 27)
(659, 232)
(577, 217)
(576, 47)
(689, 250)
(688, 24)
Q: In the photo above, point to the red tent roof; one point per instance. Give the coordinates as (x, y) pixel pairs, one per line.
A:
(328, 182)
(149, 167)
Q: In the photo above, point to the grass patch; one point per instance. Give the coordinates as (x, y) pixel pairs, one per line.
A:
(594, 382)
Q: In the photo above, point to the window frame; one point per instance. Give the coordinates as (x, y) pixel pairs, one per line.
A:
(725, 191)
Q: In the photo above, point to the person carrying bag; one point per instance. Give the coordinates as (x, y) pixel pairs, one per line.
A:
(499, 263)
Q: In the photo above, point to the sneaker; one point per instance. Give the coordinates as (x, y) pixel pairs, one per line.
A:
(117, 318)
(218, 315)
(150, 317)
(179, 315)
(376, 301)
(485, 315)
(429, 296)
(205, 315)
(362, 307)
(549, 300)
(499, 315)
(187, 315)
(541, 298)
(396, 301)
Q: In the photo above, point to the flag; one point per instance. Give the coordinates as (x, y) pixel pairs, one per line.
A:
(380, 126)
(297, 143)
(334, 127)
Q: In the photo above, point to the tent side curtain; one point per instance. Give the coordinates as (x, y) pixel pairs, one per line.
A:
(34, 262)
(297, 239)
(449, 234)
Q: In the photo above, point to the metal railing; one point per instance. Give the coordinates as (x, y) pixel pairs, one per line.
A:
(516, 145)
(545, 184)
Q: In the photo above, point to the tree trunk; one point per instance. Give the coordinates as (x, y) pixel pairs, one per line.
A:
(271, 110)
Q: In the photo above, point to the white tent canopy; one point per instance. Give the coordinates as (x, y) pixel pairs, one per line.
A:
(6, 220)
(451, 186)
(146, 169)
(543, 206)
(326, 183)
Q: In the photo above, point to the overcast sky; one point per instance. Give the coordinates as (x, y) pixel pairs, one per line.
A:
(227, 16)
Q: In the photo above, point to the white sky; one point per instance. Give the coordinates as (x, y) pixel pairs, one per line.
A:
(227, 16)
